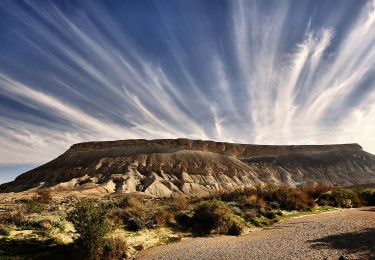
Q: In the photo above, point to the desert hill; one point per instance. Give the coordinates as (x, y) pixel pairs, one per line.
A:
(169, 166)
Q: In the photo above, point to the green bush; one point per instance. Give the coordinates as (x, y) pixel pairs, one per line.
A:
(208, 215)
(339, 197)
(214, 215)
(91, 224)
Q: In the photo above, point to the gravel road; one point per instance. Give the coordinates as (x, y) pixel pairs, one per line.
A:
(349, 234)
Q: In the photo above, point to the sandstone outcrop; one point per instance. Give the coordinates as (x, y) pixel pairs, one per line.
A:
(170, 166)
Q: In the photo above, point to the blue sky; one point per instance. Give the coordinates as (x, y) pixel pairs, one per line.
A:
(265, 72)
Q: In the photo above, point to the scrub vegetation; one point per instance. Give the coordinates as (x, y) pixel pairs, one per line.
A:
(117, 227)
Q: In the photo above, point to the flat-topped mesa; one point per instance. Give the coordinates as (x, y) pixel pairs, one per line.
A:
(164, 167)
(232, 149)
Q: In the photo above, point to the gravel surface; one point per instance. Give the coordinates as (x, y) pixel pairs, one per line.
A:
(349, 234)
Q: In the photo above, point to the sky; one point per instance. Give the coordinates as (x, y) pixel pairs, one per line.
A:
(263, 72)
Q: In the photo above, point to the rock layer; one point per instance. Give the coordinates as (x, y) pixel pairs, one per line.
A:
(170, 166)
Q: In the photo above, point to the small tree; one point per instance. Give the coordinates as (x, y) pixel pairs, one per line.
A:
(91, 224)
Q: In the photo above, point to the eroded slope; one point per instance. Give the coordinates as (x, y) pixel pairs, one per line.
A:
(167, 166)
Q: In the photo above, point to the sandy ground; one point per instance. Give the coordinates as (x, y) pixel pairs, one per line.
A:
(348, 233)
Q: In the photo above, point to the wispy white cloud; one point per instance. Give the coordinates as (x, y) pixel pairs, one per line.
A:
(267, 77)
(308, 82)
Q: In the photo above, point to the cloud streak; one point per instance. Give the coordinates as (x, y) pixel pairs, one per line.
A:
(240, 71)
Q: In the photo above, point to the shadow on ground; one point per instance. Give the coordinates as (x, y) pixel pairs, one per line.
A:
(34, 249)
(372, 209)
(360, 243)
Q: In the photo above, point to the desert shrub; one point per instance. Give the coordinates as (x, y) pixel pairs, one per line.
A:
(34, 205)
(183, 220)
(253, 202)
(248, 202)
(114, 248)
(44, 224)
(273, 196)
(163, 217)
(133, 203)
(144, 210)
(212, 215)
(115, 216)
(274, 205)
(367, 196)
(269, 214)
(235, 228)
(180, 203)
(229, 225)
(91, 224)
(316, 189)
(233, 195)
(235, 208)
(252, 199)
(289, 198)
(260, 203)
(250, 215)
(339, 197)
(13, 217)
(45, 195)
(208, 215)
(134, 224)
(4, 231)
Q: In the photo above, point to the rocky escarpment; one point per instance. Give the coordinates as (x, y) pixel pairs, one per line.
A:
(170, 166)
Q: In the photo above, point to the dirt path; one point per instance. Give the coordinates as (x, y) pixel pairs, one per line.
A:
(349, 233)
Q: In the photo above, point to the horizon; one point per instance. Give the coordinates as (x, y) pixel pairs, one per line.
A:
(251, 72)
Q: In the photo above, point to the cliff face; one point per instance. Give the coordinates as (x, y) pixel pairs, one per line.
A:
(232, 149)
(167, 166)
